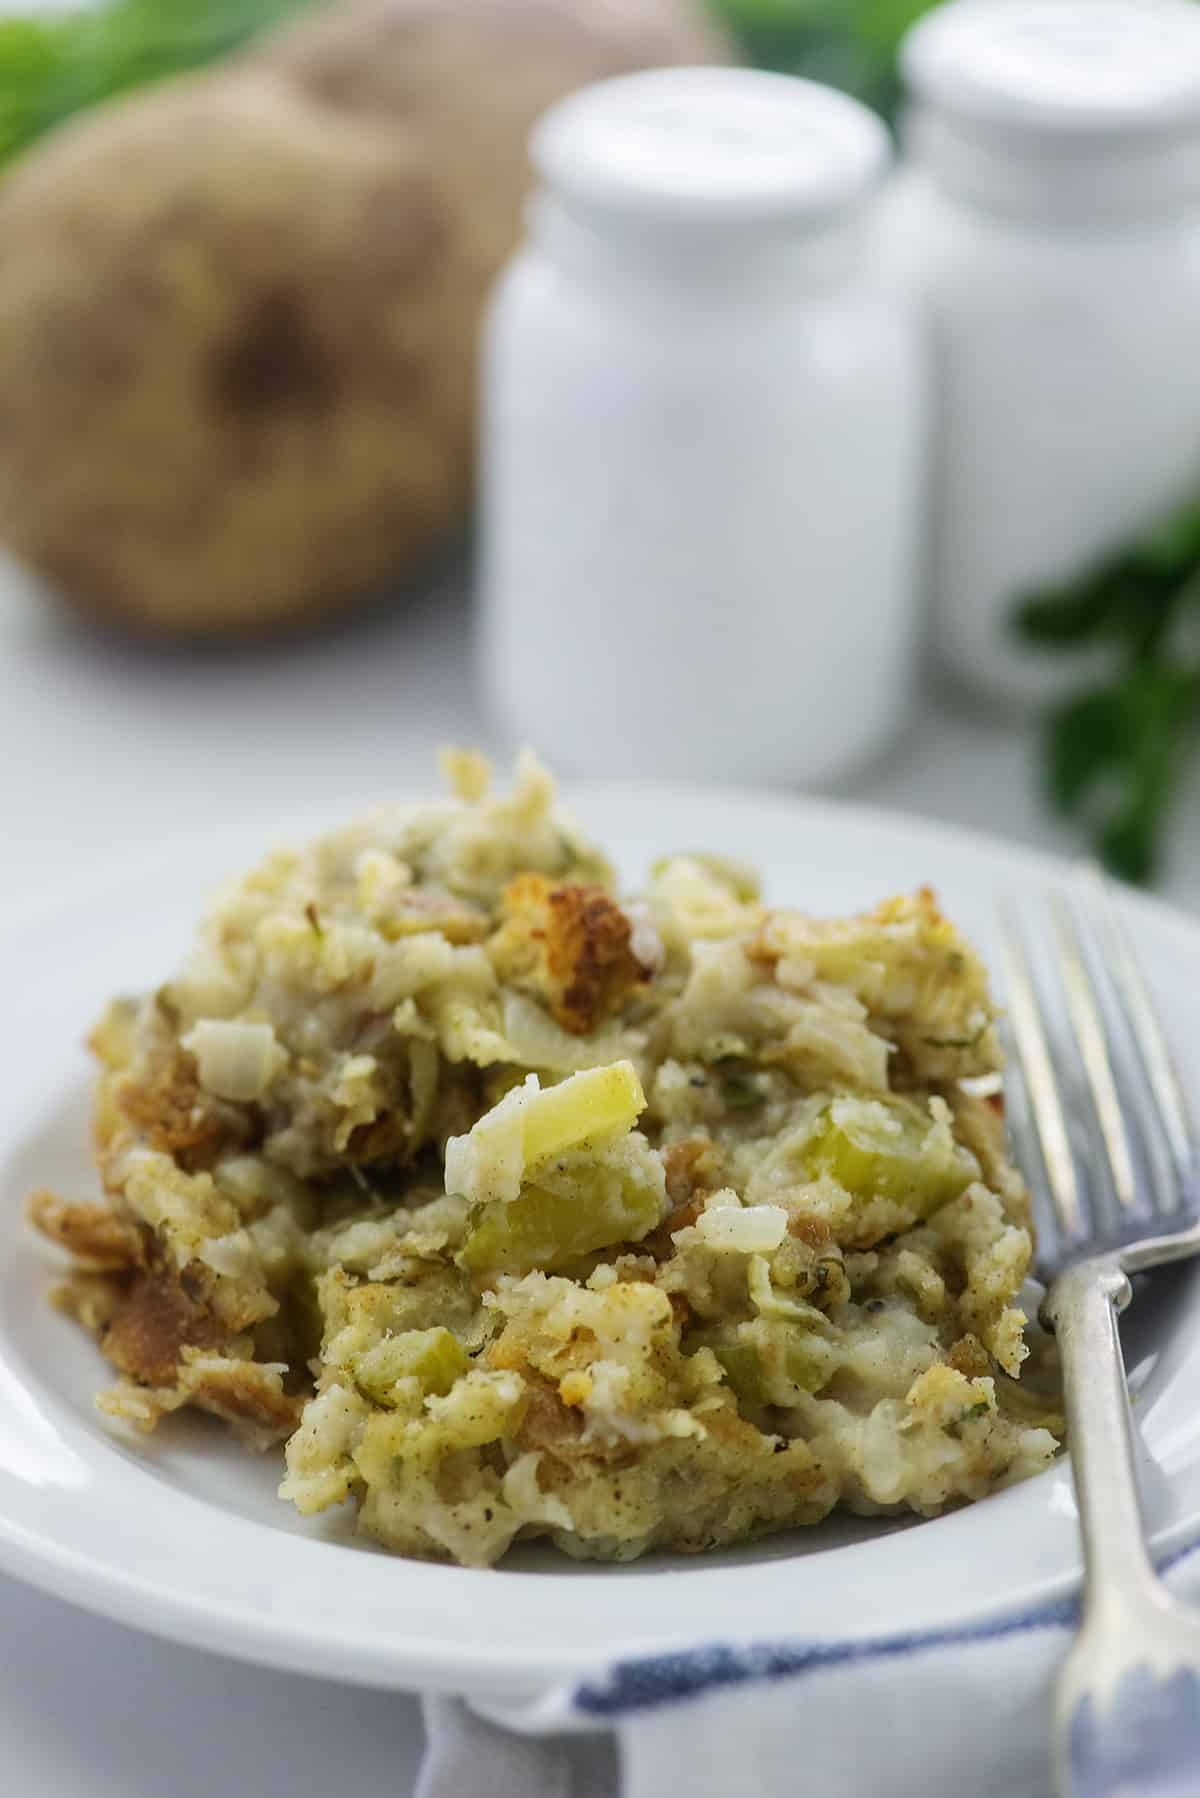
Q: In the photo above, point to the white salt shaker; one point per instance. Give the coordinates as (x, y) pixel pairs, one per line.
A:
(1050, 220)
(702, 439)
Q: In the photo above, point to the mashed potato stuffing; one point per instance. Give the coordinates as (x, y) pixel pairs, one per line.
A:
(518, 1208)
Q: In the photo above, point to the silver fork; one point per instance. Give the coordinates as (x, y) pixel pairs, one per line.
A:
(1102, 1130)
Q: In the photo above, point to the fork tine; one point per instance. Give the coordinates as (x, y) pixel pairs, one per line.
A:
(1033, 1051)
(1165, 1090)
(1087, 1022)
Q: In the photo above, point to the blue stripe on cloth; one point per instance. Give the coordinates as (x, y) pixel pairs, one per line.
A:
(655, 1680)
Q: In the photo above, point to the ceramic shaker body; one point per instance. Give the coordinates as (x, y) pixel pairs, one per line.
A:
(1049, 221)
(703, 432)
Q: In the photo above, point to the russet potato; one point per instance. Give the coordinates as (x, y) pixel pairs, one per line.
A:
(238, 311)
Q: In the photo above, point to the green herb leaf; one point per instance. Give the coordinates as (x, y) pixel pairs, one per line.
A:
(1114, 757)
(1065, 617)
(1114, 752)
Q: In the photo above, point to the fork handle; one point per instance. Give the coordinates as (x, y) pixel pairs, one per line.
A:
(1127, 1709)
(1082, 1307)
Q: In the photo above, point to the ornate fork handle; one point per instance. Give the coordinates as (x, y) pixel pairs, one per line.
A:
(1127, 1713)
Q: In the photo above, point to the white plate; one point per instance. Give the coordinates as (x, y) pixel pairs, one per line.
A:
(183, 1535)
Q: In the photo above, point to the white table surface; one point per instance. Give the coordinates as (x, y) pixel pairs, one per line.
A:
(107, 747)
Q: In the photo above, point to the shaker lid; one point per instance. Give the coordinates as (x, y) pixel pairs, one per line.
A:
(719, 145)
(1060, 66)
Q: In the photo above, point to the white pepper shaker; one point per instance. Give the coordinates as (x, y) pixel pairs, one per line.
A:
(1048, 219)
(702, 439)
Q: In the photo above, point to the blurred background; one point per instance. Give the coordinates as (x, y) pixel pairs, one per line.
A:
(59, 57)
(244, 250)
(244, 246)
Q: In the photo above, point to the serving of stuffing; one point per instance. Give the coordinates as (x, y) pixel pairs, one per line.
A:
(515, 1207)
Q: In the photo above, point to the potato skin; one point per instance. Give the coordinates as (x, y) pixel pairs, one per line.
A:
(238, 312)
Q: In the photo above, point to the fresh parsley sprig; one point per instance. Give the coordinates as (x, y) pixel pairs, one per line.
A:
(1115, 752)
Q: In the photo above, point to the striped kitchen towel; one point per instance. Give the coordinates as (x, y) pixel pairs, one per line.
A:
(959, 1713)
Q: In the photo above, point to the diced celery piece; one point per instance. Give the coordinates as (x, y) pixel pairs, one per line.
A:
(803, 1362)
(598, 1102)
(434, 1357)
(548, 1229)
(531, 1125)
(890, 1148)
(740, 1360)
